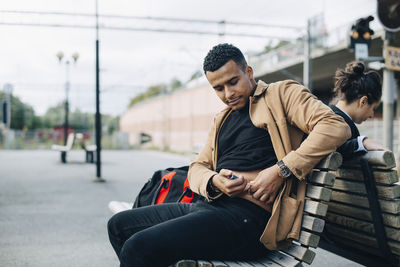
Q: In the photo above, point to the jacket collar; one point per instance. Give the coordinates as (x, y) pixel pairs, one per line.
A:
(261, 88)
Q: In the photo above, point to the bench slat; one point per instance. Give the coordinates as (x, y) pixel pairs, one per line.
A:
(368, 227)
(378, 159)
(255, 264)
(309, 239)
(267, 262)
(283, 259)
(312, 223)
(204, 264)
(361, 238)
(330, 162)
(234, 264)
(318, 192)
(322, 177)
(300, 253)
(387, 191)
(390, 206)
(364, 214)
(315, 207)
(186, 263)
(381, 176)
(218, 263)
(339, 240)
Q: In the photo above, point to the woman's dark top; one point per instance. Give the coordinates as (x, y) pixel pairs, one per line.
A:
(242, 146)
(351, 145)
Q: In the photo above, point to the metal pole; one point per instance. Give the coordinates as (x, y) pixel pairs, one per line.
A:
(98, 116)
(388, 99)
(8, 131)
(8, 89)
(8, 99)
(66, 124)
(307, 66)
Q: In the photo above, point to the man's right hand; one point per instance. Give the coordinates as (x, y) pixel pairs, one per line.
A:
(230, 187)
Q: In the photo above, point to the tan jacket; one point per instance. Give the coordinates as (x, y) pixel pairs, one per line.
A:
(289, 112)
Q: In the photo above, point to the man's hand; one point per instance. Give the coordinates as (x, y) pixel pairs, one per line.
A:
(372, 145)
(266, 185)
(230, 187)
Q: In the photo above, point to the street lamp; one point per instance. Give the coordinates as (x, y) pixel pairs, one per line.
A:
(60, 56)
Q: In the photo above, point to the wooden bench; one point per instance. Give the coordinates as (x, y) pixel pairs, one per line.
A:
(89, 149)
(66, 148)
(350, 230)
(318, 194)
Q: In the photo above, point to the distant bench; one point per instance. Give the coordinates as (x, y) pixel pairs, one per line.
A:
(66, 148)
(89, 149)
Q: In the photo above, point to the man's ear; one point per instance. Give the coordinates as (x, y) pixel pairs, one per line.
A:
(249, 71)
(363, 101)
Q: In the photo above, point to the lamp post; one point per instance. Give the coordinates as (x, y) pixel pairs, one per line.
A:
(60, 56)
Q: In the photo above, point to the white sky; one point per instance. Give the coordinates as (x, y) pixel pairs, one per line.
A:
(131, 60)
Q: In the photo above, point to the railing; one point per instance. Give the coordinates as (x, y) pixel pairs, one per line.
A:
(43, 139)
(294, 53)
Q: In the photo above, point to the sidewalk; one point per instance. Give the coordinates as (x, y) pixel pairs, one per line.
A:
(53, 214)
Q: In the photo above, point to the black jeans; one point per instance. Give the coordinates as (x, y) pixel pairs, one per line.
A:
(227, 228)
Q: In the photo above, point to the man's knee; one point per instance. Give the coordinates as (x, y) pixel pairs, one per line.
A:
(113, 225)
(140, 250)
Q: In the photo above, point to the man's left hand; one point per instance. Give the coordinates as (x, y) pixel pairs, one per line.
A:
(266, 185)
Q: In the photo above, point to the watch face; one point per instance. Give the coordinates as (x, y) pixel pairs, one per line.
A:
(285, 172)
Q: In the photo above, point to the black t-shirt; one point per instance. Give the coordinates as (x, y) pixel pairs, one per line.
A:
(242, 146)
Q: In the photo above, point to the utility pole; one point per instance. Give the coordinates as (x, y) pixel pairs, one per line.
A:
(75, 57)
(389, 15)
(307, 65)
(98, 116)
(389, 85)
(7, 89)
(66, 124)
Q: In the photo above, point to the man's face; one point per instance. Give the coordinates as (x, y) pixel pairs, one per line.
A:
(232, 85)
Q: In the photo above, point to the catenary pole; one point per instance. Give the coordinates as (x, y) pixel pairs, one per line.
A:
(389, 86)
(98, 115)
(307, 67)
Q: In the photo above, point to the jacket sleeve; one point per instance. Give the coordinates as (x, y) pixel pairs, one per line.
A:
(348, 149)
(202, 169)
(326, 131)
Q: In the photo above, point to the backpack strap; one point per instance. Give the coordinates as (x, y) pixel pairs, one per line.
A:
(376, 212)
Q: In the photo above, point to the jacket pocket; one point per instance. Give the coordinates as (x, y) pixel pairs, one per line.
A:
(288, 212)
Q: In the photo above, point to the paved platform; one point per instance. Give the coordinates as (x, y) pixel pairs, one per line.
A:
(53, 214)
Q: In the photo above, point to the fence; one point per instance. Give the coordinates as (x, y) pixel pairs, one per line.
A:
(43, 139)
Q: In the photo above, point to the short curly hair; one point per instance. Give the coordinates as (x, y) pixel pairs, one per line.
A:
(220, 54)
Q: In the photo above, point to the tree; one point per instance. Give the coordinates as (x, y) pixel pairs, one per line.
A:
(269, 47)
(195, 75)
(152, 91)
(22, 115)
(175, 84)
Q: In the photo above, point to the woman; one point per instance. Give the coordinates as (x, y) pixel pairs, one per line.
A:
(359, 95)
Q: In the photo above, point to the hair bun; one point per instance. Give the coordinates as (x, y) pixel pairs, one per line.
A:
(355, 69)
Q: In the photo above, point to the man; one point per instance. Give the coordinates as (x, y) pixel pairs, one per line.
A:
(254, 149)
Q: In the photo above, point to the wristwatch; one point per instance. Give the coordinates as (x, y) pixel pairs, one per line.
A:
(284, 171)
(212, 190)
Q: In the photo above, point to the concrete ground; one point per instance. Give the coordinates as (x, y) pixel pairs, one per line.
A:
(53, 214)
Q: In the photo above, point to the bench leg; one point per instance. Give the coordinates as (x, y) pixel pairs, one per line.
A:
(90, 156)
(63, 157)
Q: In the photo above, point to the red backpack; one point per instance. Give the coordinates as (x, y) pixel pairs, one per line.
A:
(165, 186)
